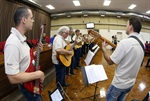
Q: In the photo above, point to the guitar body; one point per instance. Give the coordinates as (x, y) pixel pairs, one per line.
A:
(66, 59)
(30, 86)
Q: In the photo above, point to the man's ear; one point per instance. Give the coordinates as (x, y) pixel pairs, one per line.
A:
(23, 20)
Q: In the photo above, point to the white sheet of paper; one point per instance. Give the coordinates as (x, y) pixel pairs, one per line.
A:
(96, 50)
(56, 96)
(95, 73)
(95, 46)
(89, 57)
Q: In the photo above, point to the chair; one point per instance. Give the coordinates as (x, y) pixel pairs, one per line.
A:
(34, 42)
(47, 39)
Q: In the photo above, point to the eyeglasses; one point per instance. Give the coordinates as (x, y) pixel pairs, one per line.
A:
(65, 32)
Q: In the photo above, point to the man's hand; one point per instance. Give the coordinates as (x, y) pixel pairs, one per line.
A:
(41, 46)
(41, 75)
(104, 44)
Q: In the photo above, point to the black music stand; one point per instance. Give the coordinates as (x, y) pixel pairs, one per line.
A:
(60, 93)
(86, 85)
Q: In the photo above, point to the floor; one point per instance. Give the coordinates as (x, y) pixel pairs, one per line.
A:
(139, 91)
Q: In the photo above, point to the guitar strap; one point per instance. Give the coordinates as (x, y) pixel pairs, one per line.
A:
(141, 44)
(29, 44)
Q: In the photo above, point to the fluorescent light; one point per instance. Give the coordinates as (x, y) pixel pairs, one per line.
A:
(106, 2)
(35, 3)
(148, 12)
(132, 6)
(76, 3)
(50, 7)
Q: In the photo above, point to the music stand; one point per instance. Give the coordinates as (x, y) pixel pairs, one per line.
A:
(86, 85)
(58, 94)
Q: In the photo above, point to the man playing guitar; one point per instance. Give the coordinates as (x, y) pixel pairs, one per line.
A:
(59, 44)
(17, 54)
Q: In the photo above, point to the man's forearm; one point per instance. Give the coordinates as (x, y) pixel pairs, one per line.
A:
(107, 56)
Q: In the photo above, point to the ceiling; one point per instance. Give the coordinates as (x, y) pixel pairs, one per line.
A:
(95, 5)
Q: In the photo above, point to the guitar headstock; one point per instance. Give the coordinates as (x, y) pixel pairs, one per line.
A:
(94, 34)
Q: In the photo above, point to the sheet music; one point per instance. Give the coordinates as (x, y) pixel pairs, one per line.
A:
(95, 46)
(89, 57)
(96, 49)
(95, 73)
(56, 96)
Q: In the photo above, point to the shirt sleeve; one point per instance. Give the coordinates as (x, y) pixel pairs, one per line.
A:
(119, 53)
(58, 44)
(73, 38)
(11, 56)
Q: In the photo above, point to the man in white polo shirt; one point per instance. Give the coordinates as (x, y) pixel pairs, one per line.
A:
(58, 49)
(128, 55)
(17, 54)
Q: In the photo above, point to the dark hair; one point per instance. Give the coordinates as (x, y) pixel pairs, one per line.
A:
(20, 12)
(77, 30)
(70, 28)
(136, 23)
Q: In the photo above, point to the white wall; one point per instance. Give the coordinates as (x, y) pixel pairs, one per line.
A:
(109, 33)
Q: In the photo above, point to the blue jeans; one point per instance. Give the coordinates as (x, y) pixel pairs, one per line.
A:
(28, 95)
(116, 94)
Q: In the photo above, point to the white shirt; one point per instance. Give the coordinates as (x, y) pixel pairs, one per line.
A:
(129, 56)
(59, 42)
(69, 38)
(16, 53)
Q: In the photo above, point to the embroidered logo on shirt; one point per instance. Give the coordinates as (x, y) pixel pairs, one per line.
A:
(9, 64)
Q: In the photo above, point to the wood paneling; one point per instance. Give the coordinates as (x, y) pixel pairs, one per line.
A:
(7, 9)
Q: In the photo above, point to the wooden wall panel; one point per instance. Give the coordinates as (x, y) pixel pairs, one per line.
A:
(7, 9)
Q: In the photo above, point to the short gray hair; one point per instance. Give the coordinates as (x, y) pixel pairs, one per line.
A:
(63, 29)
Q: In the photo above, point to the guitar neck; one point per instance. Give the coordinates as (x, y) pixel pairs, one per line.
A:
(38, 49)
(95, 34)
(107, 41)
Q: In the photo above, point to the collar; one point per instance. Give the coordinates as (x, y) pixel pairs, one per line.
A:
(21, 37)
(133, 34)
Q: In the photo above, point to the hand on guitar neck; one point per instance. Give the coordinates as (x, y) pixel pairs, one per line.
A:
(97, 35)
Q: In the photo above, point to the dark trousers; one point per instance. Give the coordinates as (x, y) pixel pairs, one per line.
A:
(72, 66)
(28, 95)
(86, 48)
(77, 54)
(147, 65)
(60, 74)
(91, 46)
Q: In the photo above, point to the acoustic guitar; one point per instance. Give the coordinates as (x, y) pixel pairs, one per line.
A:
(34, 86)
(66, 59)
(97, 35)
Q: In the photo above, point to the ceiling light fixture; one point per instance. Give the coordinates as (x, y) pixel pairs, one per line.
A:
(35, 3)
(148, 12)
(76, 3)
(50, 7)
(132, 6)
(106, 2)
